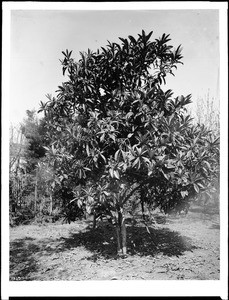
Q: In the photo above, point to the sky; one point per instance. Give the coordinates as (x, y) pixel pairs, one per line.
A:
(37, 38)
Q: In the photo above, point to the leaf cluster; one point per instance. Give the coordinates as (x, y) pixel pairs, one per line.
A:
(111, 127)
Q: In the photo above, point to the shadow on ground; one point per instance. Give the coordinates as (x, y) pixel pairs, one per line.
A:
(102, 241)
(25, 253)
(22, 262)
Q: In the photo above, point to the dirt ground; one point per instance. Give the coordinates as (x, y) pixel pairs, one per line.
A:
(184, 247)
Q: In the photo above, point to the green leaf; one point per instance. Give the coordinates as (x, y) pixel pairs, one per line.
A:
(90, 199)
(79, 202)
(136, 161)
(200, 185)
(165, 175)
(207, 163)
(87, 150)
(46, 148)
(111, 171)
(146, 160)
(132, 39)
(116, 174)
(73, 200)
(113, 137)
(184, 193)
(160, 158)
(169, 165)
(196, 188)
(102, 137)
(80, 173)
(88, 209)
(150, 172)
(124, 167)
(103, 157)
(116, 156)
(87, 169)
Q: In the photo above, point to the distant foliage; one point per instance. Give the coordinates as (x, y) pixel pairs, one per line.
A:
(27, 183)
(207, 113)
(34, 131)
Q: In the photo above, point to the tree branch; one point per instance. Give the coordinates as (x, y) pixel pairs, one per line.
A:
(134, 190)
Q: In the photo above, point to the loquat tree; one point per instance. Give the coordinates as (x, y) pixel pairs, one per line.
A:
(114, 132)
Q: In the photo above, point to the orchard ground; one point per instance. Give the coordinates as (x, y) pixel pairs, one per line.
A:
(184, 247)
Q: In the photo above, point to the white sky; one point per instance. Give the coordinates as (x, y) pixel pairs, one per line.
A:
(38, 37)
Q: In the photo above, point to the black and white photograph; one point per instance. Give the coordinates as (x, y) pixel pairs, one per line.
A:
(115, 138)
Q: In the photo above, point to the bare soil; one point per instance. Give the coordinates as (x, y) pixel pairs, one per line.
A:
(184, 247)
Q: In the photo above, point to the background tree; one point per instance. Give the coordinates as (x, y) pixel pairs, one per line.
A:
(207, 112)
(26, 153)
(33, 130)
(115, 133)
(17, 148)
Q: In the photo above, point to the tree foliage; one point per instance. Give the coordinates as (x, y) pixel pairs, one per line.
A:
(115, 132)
(26, 176)
(33, 130)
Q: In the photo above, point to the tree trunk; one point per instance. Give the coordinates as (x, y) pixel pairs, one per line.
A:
(143, 212)
(51, 204)
(35, 194)
(142, 194)
(121, 233)
(41, 205)
(118, 233)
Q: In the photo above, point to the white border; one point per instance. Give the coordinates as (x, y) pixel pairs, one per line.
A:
(114, 5)
(223, 148)
(115, 288)
(5, 154)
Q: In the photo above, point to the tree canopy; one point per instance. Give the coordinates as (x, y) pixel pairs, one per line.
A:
(114, 131)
